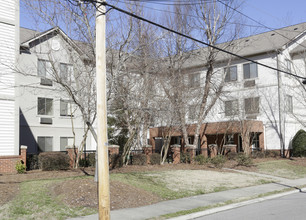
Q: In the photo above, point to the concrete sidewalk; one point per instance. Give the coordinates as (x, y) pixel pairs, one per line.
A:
(172, 206)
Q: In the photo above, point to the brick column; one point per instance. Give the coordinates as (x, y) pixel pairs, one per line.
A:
(176, 149)
(213, 148)
(191, 151)
(204, 146)
(72, 153)
(23, 154)
(147, 150)
(113, 149)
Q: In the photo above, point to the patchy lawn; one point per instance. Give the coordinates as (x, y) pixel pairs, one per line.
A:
(291, 169)
(64, 194)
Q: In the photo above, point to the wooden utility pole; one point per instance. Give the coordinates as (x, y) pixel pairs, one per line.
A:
(103, 170)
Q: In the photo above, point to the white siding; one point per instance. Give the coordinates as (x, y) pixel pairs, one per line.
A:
(7, 134)
(7, 9)
(7, 59)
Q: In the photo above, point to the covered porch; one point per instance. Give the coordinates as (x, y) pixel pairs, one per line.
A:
(214, 138)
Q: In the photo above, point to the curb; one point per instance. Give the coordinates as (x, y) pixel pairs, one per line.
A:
(235, 205)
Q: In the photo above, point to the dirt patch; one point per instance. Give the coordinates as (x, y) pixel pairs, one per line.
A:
(84, 194)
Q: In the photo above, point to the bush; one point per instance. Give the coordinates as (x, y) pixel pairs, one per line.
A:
(200, 159)
(139, 159)
(115, 161)
(155, 159)
(20, 167)
(218, 161)
(272, 153)
(54, 161)
(32, 162)
(90, 161)
(299, 144)
(244, 160)
(231, 155)
(258, 154)
(185, 158)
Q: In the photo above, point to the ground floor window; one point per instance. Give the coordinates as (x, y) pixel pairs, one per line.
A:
(255, 141)
(44, 143)
(64, 142)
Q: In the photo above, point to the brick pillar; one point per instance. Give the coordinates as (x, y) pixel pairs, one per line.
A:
(191, 151)
(213, 148)
(176, 149)
(23, 154)
(262, 141)
(72, 153)
(204, 146)
(113, 149)
(147, 150)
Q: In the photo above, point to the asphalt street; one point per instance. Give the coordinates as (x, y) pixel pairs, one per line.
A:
(291, 207)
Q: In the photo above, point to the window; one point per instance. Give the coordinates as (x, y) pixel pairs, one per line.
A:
(66, 71)
(288, 66)
(192, 112)
(251, 105)
(45, 143)
(255, 141)
(250, 71)
(66, 108)
(44, 71)
(231, 107)
(230, 74)
(229, 139)
(45, 106)
(65, 141)
(288, 104)
(194, 80)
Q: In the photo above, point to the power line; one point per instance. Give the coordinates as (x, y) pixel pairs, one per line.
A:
(194, 39)
(201, 42)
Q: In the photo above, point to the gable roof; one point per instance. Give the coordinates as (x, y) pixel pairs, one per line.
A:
(27, 36)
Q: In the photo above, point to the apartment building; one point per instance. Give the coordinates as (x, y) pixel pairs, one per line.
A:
(270, 102)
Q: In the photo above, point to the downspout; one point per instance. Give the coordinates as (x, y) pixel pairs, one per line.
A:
(280, 112)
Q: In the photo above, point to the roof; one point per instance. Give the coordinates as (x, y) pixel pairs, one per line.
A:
(271, 41)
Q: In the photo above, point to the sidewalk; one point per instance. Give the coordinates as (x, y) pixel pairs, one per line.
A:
(172, 206)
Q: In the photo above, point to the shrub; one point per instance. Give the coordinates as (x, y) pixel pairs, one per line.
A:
(139, 159)
(272, 153)
(231, 155)
(244, 160)
(200, 159)
(155, 159)
(32, 162)
(20, 167)
(83, 162)
(185, 158)
(218, 161)
(89, 161)
(115, 161)
(54, 161)
(299, 144)
(258, 154)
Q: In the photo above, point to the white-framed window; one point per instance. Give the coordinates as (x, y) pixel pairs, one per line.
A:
(251, 105)
(255, 141)
(45, 143)
(194, 80)
(288, 104)
(250, 71)
(230, 74)
(192, 112)
(66, 72)
(44, 70)
(229, 139)
(231, 108)
(288, 66)
(66, 108)
(64, 142)
(44, 106)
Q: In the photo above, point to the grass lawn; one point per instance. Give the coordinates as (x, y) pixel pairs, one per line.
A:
(282, 168)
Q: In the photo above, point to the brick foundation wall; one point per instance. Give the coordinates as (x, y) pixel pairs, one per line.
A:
(8, 163)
